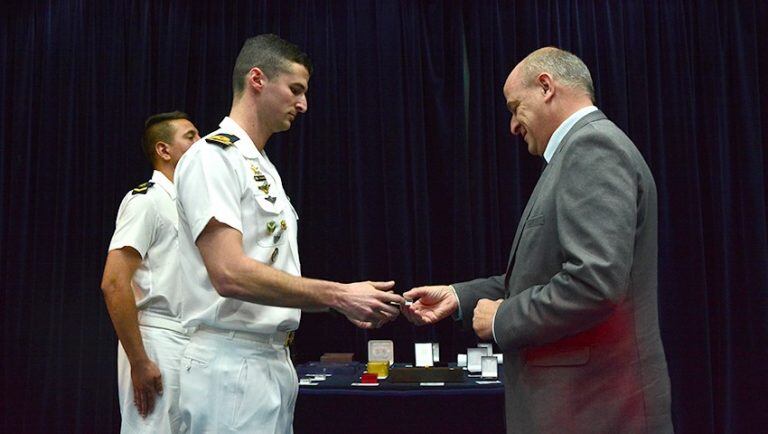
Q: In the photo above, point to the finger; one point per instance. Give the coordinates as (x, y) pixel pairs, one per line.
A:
(137, 399)
(388, 316)
(390, 297)
(383, 286)
(412, 316)
(415, 293)
(159, 384)
(142, 405)
(150, 403)
(361, 324)
(392, 316)
(386, 309)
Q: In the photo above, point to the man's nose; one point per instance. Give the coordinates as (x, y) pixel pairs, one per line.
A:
(302, 104)
(514, 126)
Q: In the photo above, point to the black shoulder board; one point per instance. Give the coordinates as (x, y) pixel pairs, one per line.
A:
(143, 188)
(222, 140)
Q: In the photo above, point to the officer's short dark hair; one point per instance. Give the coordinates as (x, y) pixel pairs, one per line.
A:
(157, 128)
(269, 53)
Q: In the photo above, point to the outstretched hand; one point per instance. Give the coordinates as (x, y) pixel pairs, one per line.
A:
(432, 304)
(369, 304)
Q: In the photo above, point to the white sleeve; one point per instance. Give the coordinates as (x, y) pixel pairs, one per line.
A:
(208, 186)
(135, 226)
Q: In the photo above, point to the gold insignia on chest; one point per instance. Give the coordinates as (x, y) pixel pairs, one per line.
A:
(257, 175)
(271, 226)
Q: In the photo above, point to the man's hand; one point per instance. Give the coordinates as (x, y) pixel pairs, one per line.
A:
(367, 304)
(482, 320)
(432, 303)
(147, 382)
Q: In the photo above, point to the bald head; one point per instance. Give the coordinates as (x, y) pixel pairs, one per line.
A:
(563, 66)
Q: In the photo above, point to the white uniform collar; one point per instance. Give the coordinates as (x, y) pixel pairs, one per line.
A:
(245, 144)
(164, 183)
(562, 130)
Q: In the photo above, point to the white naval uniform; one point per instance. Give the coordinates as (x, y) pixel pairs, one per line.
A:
(236, 375)
(147, 221)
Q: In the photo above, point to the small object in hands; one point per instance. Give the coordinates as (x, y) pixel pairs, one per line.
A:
(407, 303)
(381, 350)
(490, 367)
(378, 367)
(369, 378)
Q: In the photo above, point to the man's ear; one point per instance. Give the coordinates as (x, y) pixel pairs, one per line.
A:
(546, 85)
(163, 150)
(256, 79)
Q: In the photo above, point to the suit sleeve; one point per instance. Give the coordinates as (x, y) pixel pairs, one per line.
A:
(472, 291)
(596, 211)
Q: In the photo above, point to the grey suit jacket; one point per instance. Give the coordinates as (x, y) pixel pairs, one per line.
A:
(579, 323)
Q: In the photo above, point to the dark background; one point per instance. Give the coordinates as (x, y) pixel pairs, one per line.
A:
(403, 168)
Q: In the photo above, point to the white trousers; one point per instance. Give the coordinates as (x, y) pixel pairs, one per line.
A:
(164, 347)
(232, 384)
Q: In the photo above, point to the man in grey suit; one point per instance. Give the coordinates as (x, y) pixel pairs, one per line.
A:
(576, 311)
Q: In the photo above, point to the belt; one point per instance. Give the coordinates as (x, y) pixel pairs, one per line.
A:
(161, 322)
(282, 339)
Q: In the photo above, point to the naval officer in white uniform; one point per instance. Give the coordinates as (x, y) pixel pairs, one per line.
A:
(141, 285)
(240, 259)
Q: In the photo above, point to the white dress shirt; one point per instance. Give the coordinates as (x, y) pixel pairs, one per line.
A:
(219, 182)
(147, 221)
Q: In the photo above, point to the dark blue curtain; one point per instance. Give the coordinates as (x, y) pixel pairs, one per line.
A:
(402, 169)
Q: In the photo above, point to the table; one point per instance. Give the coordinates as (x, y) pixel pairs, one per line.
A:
(334, 406)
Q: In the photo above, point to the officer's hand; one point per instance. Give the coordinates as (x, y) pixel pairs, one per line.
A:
(147, 382)
(369, 304)
(431, 304)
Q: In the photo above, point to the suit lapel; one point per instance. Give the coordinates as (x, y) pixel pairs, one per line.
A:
(591, 117)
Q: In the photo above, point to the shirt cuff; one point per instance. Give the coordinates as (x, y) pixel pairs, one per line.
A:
(457, 314)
